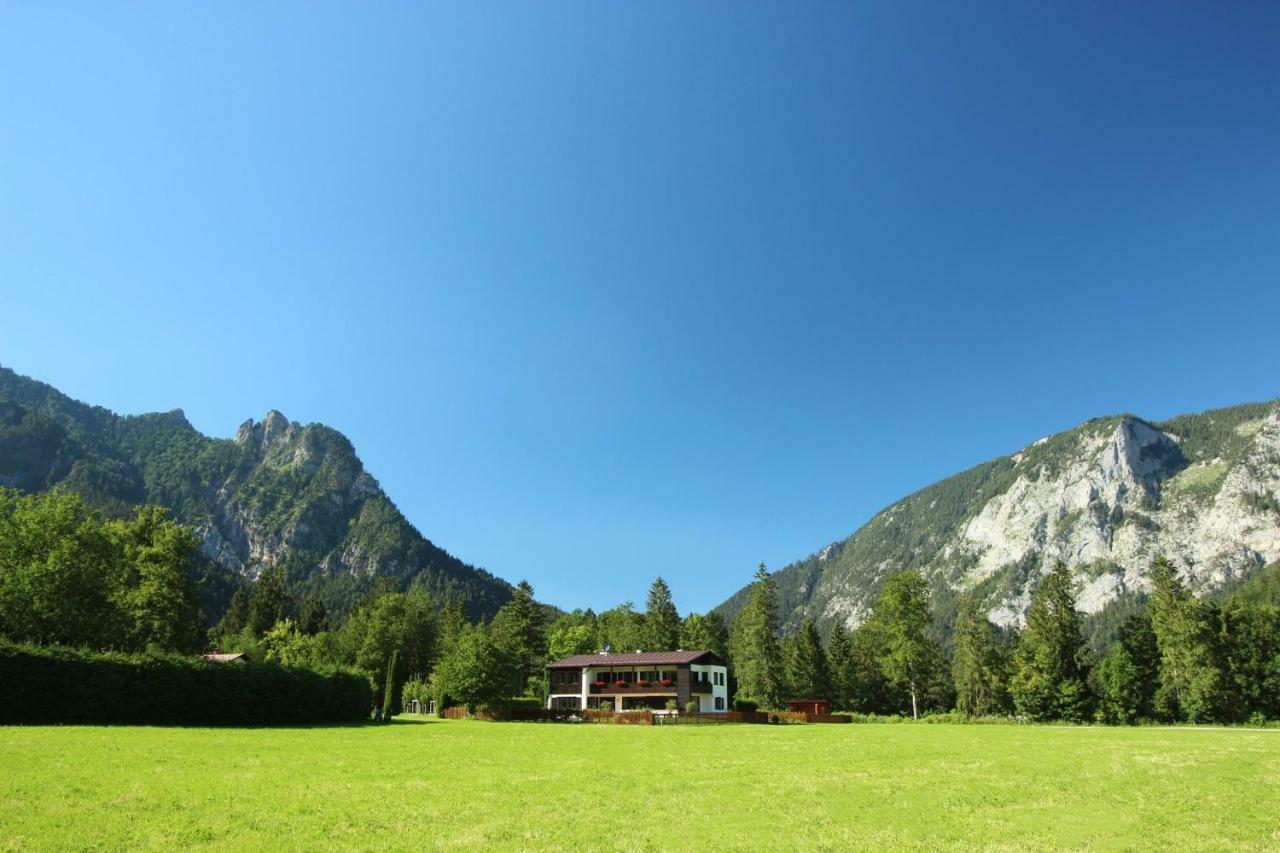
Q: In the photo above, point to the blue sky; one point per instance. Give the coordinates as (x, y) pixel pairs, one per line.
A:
(608, 290)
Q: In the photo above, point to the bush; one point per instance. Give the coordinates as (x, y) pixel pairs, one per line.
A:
(745, 705)
(522, 703)
(673, 705)
(606, 705)
(61, 685)
(691, 706)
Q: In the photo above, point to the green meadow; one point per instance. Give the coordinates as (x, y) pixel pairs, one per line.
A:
(423, 783)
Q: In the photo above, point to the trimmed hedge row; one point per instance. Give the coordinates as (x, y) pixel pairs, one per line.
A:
(60, 685)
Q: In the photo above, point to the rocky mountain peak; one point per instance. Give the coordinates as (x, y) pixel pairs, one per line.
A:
(1106, 498)
(273, 429)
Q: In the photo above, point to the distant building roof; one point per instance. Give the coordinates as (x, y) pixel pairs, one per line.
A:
(226, 658)
(638, 658)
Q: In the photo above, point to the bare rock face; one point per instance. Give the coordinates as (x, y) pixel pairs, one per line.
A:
(279, 494)
(1106, 498)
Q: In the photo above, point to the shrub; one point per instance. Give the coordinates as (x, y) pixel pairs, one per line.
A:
(61, 685)
(691, 706)
(745, 705)
(606, 705)
(673, 705)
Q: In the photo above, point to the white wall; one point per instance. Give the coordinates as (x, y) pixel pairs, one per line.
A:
(707, 701)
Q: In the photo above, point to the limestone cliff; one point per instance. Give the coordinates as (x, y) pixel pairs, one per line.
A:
(1106, 497)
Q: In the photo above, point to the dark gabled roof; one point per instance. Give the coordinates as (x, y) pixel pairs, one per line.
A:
(638, 658)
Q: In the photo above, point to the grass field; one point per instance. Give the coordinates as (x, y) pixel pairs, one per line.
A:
(420, 783)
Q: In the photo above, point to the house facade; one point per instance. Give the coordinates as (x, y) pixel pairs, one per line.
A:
(639, 680)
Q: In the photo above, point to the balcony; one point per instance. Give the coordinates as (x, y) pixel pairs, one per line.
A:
(699, 686)
(656, 688)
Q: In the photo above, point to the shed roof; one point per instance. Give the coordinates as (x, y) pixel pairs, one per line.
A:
(226, 658)
(675, 658)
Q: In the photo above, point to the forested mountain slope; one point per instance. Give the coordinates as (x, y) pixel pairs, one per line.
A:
(1106, 497)
(279, 493)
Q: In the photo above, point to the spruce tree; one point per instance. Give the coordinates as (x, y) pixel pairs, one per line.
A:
(312, 616)
(661, 620)
(840, 665)
(754, 647)
(808, 674)
(270, 601)
(977, 664)
(1051, 663)
(1192, 686)
(237, 615)
(519, 629)
(705, 631)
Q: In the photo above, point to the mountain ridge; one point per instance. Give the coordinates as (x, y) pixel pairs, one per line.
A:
(278, 493)
(1105, 496)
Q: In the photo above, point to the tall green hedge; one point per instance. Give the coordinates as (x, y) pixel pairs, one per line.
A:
(41, 684)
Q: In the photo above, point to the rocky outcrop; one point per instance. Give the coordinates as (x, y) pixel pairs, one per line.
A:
(1106, 498)
(279, 493)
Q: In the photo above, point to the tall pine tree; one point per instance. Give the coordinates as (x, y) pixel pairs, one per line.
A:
(754, 647)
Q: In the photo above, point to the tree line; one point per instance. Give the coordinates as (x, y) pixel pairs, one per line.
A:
(1182, 659)
(68, 577)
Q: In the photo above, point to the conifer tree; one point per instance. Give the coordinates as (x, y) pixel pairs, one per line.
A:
(705, 631)
(270, 602)
(661, 619)
(840, 665)
(754, 647)
(977, 665)
(1192, 686)
(1051, 663)
(808, 674)
(519, 629)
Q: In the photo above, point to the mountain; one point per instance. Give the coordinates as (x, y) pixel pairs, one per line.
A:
(1106, 497)
(279, 493)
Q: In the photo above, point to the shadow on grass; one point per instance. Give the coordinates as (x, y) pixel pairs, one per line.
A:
(369, 724)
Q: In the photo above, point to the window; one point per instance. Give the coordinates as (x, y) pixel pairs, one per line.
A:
(719, 703)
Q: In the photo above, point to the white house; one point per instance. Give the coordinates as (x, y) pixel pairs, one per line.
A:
(640, 680)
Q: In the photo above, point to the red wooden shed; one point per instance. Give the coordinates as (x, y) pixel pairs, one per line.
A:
(809, 706)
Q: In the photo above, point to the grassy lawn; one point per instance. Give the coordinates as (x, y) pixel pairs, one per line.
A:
(420, 783)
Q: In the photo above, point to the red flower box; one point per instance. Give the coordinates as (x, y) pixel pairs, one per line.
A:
(601, 683)
(619, 683)
(642, 684)
(667, 682)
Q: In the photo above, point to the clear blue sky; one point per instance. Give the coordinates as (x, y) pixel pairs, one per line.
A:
(606, 290)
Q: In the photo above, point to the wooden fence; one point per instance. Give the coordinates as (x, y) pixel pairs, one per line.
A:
(640, 718)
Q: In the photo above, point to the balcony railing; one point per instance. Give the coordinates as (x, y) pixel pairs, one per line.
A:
(655, 688)
(699, 686)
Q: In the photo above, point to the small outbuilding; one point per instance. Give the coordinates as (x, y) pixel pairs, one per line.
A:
(218, 657)
(809, 706)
